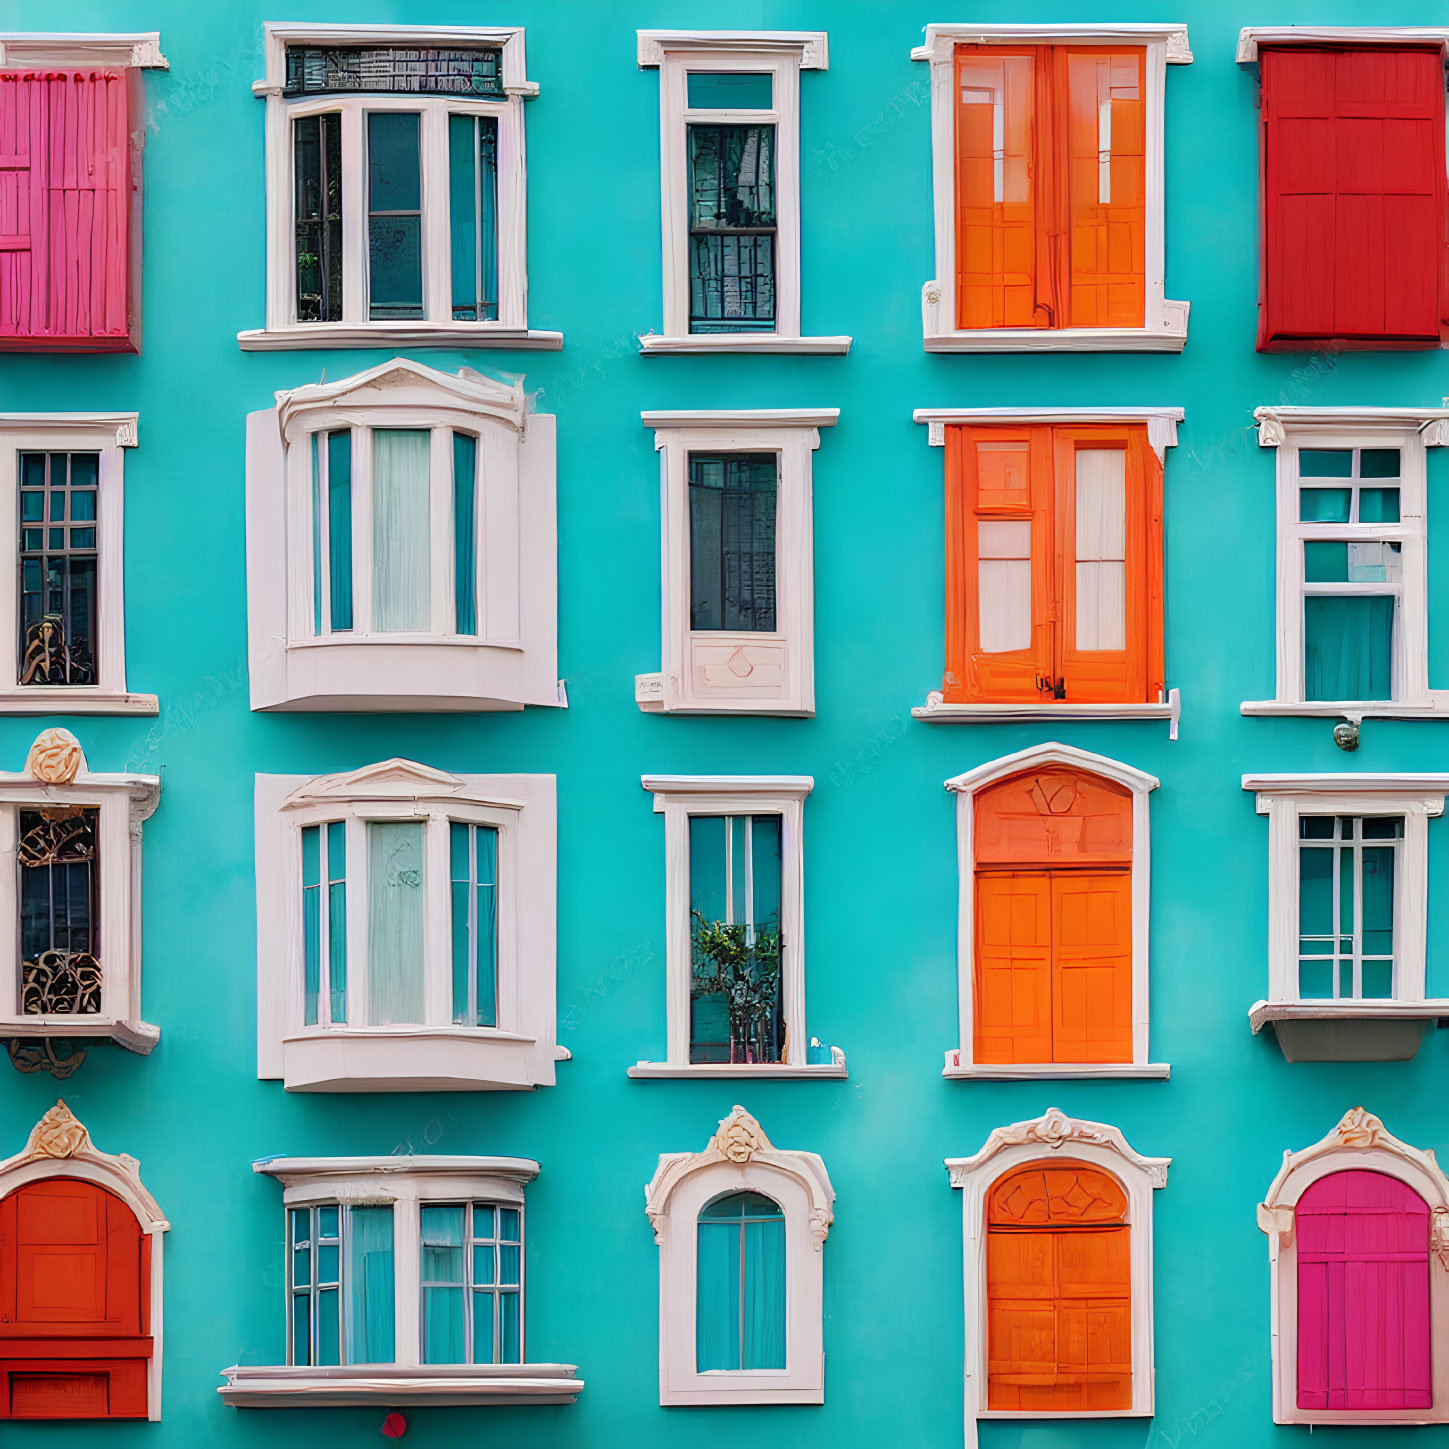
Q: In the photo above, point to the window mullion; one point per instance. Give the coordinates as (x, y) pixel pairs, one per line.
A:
(437, 917)
(436, 240)
(1337, 898)
(354, 213)
(442, 607)
(362, 529)
(1358, 909)
(359, 967)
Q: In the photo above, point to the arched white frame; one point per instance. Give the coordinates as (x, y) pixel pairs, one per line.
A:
(1047, 1139)
(1412, 431)
(1359, 1143)
(59, 1146)
(782, 54)
(437, 328)
(960, 1060)
(727, 671)
(740, 1158)
(436, 1054)
(1165, 323)
(512, 659)
(406, 1184)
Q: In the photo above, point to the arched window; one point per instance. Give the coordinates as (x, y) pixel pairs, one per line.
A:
(1058, 1291)
(740, 1285)
(1054, 853)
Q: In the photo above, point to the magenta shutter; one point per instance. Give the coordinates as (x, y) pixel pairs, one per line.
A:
(1363, 1294)
(65, 188)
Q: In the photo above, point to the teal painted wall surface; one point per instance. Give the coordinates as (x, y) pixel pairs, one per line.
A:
(881, 867)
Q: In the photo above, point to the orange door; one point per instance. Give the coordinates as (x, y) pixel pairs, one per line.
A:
(1058, 1292)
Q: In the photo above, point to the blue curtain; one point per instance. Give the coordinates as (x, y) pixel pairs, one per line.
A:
(370, 1309)
(395, 922)
(442, 1284)
(1348, 643)
(401, 528)
(740, 1284)
(339, 527)
(465, 530)
(717, 1297)
(311, 922)
(337, 920)
(763, 1310)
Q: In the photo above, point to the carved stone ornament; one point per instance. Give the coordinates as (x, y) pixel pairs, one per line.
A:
(739, 1136)
(57, 1134)
(56, 757)
(1055, 1132)
(1359, 1128)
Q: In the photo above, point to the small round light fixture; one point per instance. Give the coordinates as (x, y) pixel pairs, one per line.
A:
(394, 1426)
(1345, 735)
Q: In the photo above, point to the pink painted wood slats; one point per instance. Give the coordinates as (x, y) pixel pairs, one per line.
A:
(65, 192)
(1363, 1294)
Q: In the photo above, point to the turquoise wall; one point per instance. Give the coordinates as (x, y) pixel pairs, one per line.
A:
(881, 876)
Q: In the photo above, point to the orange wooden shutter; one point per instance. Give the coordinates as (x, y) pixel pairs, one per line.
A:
(1058, 1291)
(1091, 967)
(1013, 968)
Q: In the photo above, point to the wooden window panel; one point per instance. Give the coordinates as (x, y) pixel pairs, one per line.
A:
(1354, 196)
(1013, 968)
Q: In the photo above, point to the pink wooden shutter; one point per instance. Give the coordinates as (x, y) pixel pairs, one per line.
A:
(65, 190)
(1363, 1294)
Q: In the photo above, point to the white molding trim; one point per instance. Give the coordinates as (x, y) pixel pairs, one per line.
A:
(833, 1070)
(77, 429)
(1161, 421)
(1362, 1143)
(677, 798)
(1322, 1009)
(436, 1054)
(140, 49)
(56, 774)
(1051, 1071)
(738, 671)
(740, 1158)
(282, 330)
(937, 711)
(1164, 326)
(59, 1146)
(960, 1061)
(1042, 1139)
(478, 1386)
(1250, 37)
(783, 54)
(336, 1171)
(1276, 424)
(512, 659)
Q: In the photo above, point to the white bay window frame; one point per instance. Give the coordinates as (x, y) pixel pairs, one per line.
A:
(784, 656)
(109, 435)
(511, 659)
(437, 1053)
(1412, 431)
(407, 1185)
(437, 328)
(782, 54)
(1164, 326)
(680, 798)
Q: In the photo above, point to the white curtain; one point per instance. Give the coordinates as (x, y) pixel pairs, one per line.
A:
(395, 922)
(1101, 548)
(400, 531)
(1004, 581)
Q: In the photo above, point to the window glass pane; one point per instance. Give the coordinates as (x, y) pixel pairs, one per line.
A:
(1325, 462)
(337, 920)
(1324, 505)
(339, 527)
(1004, 584)
(474, 884)
(397, 70)
(329, 1349)
(740, 1289)
(57, 565)
(465, 533)
(730, 91)
(510, 1327)
(317, 174)
(301, 1329)
(1101, 548)
(1378, 463)
(1378, 901)
(473, 216)
(1348, 647)
(732, 508)
(442, 1283)
(370, 1311)
(484, 1330)
(59, 932)
(316, 536)
(732, 228)
(395, 219)
(401, 597)
(510, 1229)
(1378, 505)
(311, 921)
(395, 922)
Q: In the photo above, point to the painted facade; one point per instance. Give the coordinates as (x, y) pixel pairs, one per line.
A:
(1049, 853)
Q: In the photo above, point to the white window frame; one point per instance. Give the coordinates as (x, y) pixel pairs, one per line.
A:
(678, 798)
(108, 434)
(1046, 1139)
(960, 1061)
(512, 660)
(124, 802)
(1412, 431)
(437, 329)
(1284, 799)
(1165, 323)
(793, 436)
(1360, 1142)
(438, 1054)
(740, 1158)
(60, 1147)
(405, 1184)
(784, 54)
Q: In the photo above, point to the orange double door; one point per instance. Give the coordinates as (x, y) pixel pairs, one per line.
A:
(74, 1304)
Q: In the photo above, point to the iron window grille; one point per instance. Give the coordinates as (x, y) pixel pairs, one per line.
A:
(732, 228)
(58, 560)
(60, 974)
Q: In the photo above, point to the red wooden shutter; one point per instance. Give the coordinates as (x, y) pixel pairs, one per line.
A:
(1354, 196)
(65, 191)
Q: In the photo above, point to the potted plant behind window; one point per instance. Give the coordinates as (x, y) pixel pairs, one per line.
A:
(741, 964)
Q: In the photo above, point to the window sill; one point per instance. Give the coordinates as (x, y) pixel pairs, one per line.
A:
(136, 1036)
(649, 695)
(439, 1059)
(937, 711)
(1069, 1414)
(1064, 339)
(75, 699)
(285, 1386)
(1347, 1031)
(1343, 709)
(653, 343)
(750, 1071)
(682, 1398)
(396, 334)
(957, 1070)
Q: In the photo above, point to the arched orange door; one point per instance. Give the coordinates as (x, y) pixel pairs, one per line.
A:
(1058, 1291)
(1052, 964)
(74, 1304)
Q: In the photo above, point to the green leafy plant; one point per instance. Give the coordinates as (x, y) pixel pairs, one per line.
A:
(742, 964)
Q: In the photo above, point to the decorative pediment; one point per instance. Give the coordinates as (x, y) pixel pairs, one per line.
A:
(1277, 424)
(740, 1141)
(1037, 756)
(403, 383)
(56, 757)
(1055, 1133)
(394, 779)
